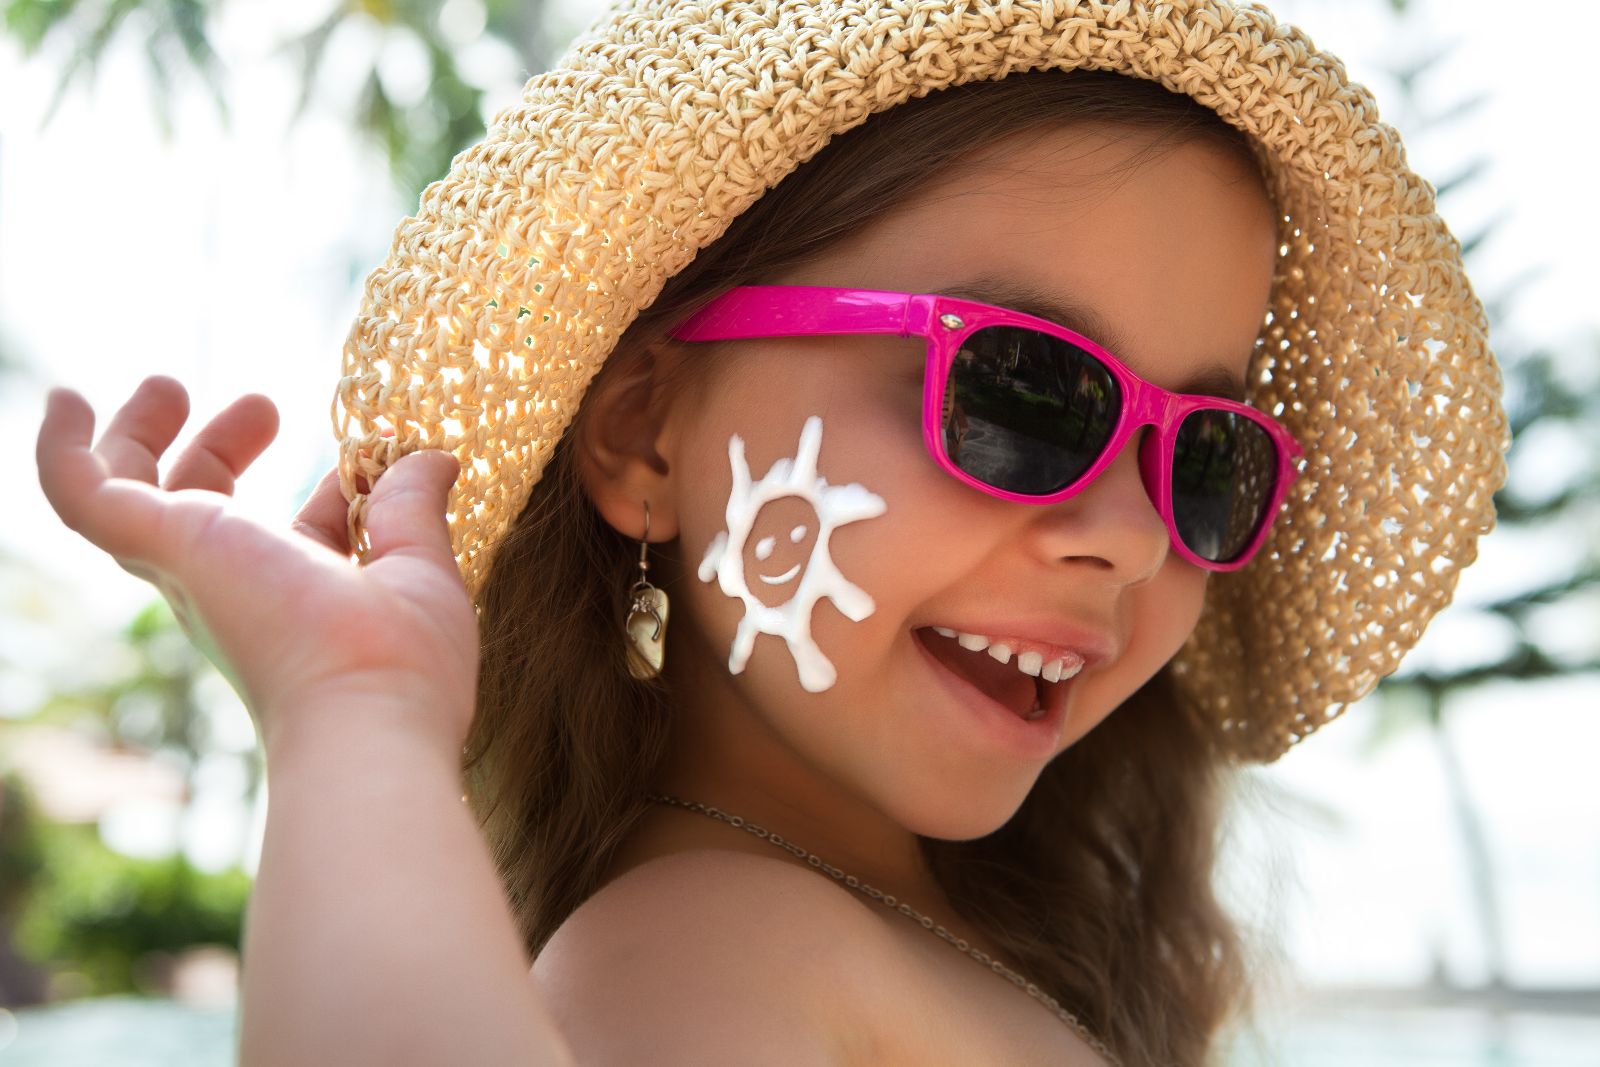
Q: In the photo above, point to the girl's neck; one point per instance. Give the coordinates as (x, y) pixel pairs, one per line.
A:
(840, 829)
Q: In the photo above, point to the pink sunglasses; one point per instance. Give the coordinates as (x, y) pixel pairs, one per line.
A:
(1028, 411)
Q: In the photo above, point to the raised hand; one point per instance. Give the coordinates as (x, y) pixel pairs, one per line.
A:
(287, 615)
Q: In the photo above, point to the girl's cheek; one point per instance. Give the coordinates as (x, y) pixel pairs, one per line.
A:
(1172, 604)
(1165, 611)
(792, 502)
(926, 542)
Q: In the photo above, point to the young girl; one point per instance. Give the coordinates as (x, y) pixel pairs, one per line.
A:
(856, 676)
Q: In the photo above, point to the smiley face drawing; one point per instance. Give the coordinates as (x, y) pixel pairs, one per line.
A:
(779, 548)
(764, 549)
(833, 506)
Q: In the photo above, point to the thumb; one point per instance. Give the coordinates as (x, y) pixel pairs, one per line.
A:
(406, 511)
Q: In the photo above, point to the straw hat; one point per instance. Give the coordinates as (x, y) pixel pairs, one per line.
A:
(501, 298)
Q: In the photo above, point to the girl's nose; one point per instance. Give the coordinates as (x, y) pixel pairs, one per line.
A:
(1111, 524)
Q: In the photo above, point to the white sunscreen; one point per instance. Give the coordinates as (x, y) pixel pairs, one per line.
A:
(835, 505)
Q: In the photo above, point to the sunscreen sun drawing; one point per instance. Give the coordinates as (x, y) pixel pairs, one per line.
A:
(835, 505)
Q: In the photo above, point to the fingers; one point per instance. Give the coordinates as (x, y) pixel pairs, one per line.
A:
(116, 517)
(227, 444)
(322, 516)
(143, 427)
(108, 491)
(68, 472)
(406, 511)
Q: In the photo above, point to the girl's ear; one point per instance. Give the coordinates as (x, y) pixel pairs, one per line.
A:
(620, 444)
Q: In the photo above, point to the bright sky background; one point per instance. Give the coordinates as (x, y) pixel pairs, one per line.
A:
(232, 260)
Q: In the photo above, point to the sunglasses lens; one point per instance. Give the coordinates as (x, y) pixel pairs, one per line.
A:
(1027, 412)
(1224, 467)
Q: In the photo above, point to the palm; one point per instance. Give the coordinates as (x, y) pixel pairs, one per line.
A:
(285, 614)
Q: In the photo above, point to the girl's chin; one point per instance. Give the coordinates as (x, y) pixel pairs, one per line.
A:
(948, 816)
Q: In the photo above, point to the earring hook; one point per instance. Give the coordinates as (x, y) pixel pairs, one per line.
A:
(644, 541)
(647, 599)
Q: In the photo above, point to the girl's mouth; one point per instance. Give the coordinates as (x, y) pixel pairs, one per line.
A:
(1014, 676)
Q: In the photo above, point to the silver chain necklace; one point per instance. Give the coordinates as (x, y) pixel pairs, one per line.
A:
(889, 900)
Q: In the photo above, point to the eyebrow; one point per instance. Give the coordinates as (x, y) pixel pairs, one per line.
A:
(1215, 380)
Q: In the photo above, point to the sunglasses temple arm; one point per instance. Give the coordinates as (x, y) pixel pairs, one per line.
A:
(803, 310)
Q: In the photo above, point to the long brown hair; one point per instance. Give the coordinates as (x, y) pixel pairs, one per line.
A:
(1100, 887)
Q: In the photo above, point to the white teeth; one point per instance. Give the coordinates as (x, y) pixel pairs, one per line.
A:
(1056, 670)
(1032, 664)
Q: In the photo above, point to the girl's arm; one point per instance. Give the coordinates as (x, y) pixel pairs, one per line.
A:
(377, 931)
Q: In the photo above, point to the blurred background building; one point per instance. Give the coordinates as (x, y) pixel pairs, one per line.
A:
(198, 187)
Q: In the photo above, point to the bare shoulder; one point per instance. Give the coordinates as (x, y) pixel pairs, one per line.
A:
(711, 957)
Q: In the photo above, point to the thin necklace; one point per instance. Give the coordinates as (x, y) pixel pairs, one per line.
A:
(889, 900)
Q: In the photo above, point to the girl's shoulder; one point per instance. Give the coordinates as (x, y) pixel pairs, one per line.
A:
(714, 954)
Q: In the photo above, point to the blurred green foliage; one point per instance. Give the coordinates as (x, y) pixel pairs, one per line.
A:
(175, 36)
(101, 914)
(22, 848)
(172, 34)
(154, 703)
(78, 907)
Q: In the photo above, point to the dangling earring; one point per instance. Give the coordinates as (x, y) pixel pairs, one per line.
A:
(646, 624)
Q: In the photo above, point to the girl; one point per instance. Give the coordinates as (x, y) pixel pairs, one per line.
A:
(911, 578)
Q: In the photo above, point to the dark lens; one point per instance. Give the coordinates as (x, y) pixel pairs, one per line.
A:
(1223, 469)
(1027, 412)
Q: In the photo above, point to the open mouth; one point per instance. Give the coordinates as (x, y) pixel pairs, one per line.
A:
(1023, 681)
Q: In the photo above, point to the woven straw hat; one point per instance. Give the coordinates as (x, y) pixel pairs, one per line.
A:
(502, 297)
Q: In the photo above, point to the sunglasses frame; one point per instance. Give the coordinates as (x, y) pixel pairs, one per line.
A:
(753, 311)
